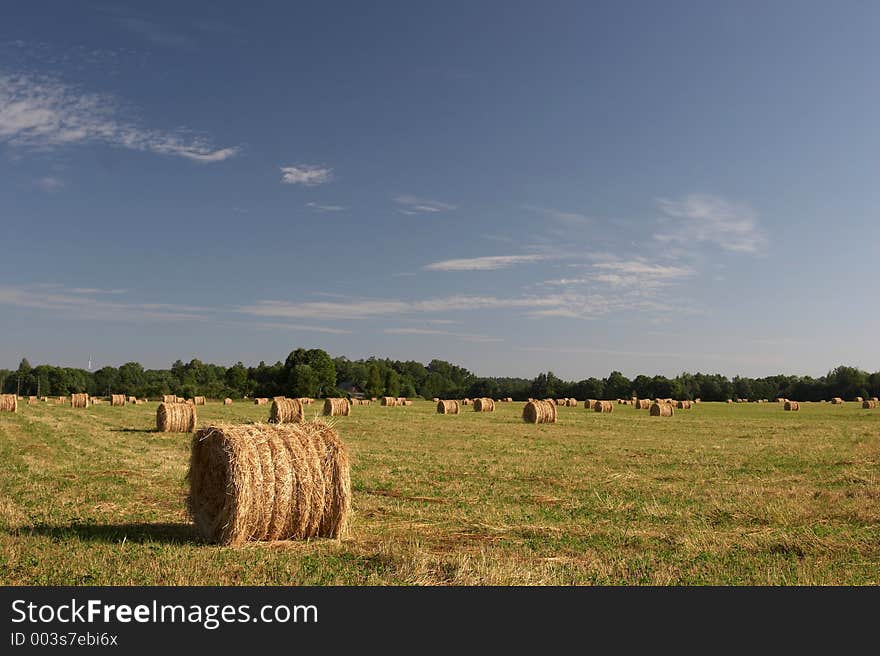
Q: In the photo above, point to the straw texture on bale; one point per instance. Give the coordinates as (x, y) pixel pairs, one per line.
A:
(287, 411)
(117, 400)
(401, 400)
(447, 408)
(643, 404)
(603, 406)
(869, 404)
(484, 405)
(661, 410)
(269, 482)
(176, 418)
(169, 398)
(539, 412)
(389, 401)
(227, 401)
(8, 403)
(792, 405)
(199, 400)
(336, 408)
(79, 400)
(571, 403)
(261, 401)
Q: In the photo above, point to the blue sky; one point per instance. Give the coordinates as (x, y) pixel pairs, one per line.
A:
(511, 186)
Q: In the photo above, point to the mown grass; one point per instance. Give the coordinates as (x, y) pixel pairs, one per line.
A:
(742, 494)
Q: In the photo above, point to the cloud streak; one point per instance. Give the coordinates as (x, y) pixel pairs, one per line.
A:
(308, 175)
(467, 337)
(325, 208)
(43, 112)
(414, 205)
(699, 217)
(489, 263)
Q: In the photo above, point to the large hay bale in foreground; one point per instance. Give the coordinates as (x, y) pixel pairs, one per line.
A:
(176, 418)
(792, 405)
(389, 401)
(199, 400)
(603, 406)
(269, 482)
(287, 411)
(539, 412)
(448, 408)
(484, 405)
(79, 400)
(661, 410)
(117, 400)
(8, 403)
(869, 404)
(336, 408)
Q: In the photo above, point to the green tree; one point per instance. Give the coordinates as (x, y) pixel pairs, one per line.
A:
(375, 386)
(392, 383)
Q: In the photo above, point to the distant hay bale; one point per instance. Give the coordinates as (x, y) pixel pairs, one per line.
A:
(32, 400)
(869, 404)
(269, 482)
(117, 400)
(179, 399)
(730, 400)
(571, 403)
(684, 405)
(698, 400)
(190, 402)
(643, 404)
(560, 401)
(366, 401)
(176, 418)
(401, 400)
(261, 401)
(859, 399)
(287, 411)
(448, 408)
(169, 398)
(389, 401)
(8, 403)
(779, 399)
(61, 400)
(336, 408)
(509, 399)
(199, 400)
(875, 399)
(407, 402)
(539, 412)
(227, 401)
(589, 404)
(79, 400)
(792, 405)
(484, 405)
(837, 400)
(661, 410)
(465, 401)
(603, 406)
(306, 401)
(436, 399)
(132, 399)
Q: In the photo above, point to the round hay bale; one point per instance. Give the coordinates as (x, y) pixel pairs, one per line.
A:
(117, 400)
(401, 400)
(169, 398)
(227, 401)
(466, 401)
(484, 405)
(176, 418)
(32, 400)
(79, 400)
(571, 403)
(684, 405)
(661, 410)
(539, 412)
(269, 482)
(859, 399)
(199, 400)
(287, 411)
(837, 401)
(436, 399)
(389, 401)
(261, 401)
(792, 405)
(448, 408)
(603, 406)
(407, 402)
(869, 404)
(644, 404)
(8, 403)
(336, 408)
(366, 401)
(132, 399)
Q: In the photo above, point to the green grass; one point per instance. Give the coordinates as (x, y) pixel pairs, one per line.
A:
(741, 494)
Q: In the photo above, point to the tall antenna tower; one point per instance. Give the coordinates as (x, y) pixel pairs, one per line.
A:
(90, 362)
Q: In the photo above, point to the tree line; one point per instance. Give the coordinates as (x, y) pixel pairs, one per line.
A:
(314, 373)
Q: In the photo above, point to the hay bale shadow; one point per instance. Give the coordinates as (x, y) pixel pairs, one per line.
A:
(138, 533)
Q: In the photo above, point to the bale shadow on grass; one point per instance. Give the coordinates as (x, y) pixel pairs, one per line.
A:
(138, 533)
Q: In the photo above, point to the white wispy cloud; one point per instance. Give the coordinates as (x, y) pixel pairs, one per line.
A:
(325, 208)
(298, 327)
(413, 205)
(571, 219)
(50, 184)
(488, 263)
(309, 175)
(704, 218)
(468, 337)
(43, 112)
(79, 303)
